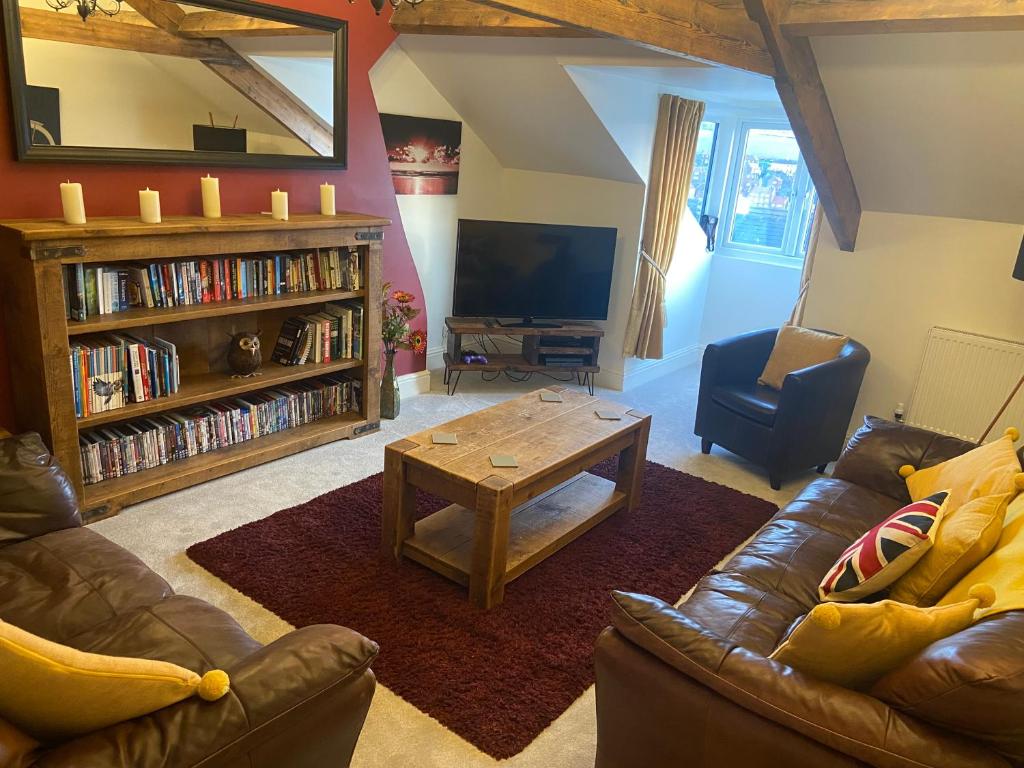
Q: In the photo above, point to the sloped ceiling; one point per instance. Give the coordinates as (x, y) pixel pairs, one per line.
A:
(933, 123)
(523, 104)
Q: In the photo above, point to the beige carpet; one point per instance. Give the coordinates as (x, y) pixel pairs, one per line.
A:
(396, 733)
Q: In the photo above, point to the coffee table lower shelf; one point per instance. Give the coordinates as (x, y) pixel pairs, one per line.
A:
(443, 541)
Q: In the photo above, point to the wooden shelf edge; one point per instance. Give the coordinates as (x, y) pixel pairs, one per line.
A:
(135, 318)
(514, 363)
(105, 499)
(229, 387)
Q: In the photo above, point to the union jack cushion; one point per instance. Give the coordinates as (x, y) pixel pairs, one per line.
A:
(886, 552)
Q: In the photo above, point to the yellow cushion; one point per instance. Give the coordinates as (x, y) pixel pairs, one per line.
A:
(987, 470)
(854, 644)
(797, 348)
(53, 692)
(1002, 569)
(964, 538)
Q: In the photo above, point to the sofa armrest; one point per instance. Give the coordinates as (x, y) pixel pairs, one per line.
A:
(738, 360)
(820, 399)
(846, 721)
(878, 449)
(299, 701)
(36, 496)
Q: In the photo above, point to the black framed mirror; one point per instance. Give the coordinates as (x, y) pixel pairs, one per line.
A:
(203, 82)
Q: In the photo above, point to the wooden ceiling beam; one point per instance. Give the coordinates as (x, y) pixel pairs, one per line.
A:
(691, 28)
(810, 116)
(102, 32)
(219, 24)
(161, 13)
(464, 17)
(863, 17)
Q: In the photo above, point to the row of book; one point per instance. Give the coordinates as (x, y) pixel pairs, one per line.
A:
(114, 451)
(110, 370)
(335, 333)
(92, 290)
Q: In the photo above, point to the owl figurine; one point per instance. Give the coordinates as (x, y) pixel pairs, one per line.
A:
(244, 358)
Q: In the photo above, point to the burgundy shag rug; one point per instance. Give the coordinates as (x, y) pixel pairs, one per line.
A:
(497, 678)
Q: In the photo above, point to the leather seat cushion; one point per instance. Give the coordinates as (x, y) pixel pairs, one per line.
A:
(755, 597)
(182, 630)
(63, 584)
(753, 401)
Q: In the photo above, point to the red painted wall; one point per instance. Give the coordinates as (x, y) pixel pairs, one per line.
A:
(30, 190)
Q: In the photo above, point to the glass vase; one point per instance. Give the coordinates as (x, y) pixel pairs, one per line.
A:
(390, 398)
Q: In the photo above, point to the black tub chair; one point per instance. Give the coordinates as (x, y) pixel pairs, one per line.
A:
(802, 426)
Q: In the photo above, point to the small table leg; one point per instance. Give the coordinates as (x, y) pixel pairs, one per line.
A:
(490, 542)
(397, 521)
(630, 477)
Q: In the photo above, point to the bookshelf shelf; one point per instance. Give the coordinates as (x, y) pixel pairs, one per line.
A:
(206, 466)
(200, 388)
(135, 318)
(33, 255)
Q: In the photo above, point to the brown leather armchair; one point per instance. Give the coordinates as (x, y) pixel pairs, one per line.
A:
(693, 686)
(298, 702)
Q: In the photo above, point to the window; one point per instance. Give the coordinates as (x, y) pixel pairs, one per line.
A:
(771, 200)
(697, 200)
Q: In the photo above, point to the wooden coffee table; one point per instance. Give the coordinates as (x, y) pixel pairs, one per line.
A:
(502, 522)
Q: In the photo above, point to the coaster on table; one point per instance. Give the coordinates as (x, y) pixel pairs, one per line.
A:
(444, 438)
(503, 460)
(609, 415)
(550, 397)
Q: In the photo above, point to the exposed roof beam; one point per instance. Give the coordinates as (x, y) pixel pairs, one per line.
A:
(861, 17)
(110, 33)
(161, 13)
(810, 116)
(464, 17)
(690, 28)
(221, 24)
(266, 94)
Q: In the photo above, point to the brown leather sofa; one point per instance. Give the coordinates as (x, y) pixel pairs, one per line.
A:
(299, 702)
(693, 686)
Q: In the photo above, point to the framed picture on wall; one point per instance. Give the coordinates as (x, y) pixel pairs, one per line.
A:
(44, 115)
(423, 153)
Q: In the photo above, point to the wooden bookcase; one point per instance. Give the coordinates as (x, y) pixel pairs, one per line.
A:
(33, 254)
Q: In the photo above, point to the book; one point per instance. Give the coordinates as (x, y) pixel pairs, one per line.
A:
(74, 292)
(287, 340)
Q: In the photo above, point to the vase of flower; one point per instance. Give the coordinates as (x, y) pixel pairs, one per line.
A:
(396, 313)
(390, 397)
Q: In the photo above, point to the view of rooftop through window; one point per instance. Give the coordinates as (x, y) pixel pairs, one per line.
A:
(773, 204)
(706, 140)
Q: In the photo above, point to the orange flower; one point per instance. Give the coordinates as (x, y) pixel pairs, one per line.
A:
(403, 297)
(418, 341)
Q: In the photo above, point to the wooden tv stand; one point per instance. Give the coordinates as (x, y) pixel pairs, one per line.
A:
(584, 341)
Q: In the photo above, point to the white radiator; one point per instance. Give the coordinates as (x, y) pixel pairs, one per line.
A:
(964, 379)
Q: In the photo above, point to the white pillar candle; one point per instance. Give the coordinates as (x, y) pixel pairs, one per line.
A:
(327, 199)
(149, 206)
(73, 201)
(279, 205)
(211, 196)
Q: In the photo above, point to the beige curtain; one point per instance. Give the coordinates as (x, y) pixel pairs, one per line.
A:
(675, 145)
(805, 277)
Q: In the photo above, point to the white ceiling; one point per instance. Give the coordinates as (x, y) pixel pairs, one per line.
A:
(518, 97)
(932, 123)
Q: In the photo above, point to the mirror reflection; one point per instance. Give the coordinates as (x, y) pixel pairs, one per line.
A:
(156, 75)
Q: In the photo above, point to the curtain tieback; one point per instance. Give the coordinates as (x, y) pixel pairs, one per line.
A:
(653, 264)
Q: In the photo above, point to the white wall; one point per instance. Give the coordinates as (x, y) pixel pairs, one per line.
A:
(908, 274)
(747, 295)
(431, 221)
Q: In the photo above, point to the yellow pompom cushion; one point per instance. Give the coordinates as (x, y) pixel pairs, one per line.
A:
(1002, 569)
(965, 537)
(987, 470)
(854, 644)
(53, 692)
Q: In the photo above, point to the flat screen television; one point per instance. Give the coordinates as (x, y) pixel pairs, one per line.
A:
(507, 269)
